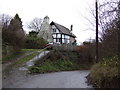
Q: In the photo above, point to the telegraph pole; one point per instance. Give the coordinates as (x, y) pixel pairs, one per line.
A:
(96, 6)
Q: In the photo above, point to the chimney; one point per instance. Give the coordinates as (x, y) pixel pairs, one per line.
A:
(71, 27)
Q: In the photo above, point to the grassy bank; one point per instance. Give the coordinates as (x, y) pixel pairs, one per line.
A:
(26, 50)
(21, 61)
(59, 65)
(59, 61)
(106, 74)
(25, 59)
(11, 58)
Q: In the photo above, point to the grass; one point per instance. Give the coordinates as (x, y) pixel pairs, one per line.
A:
(22, 52)
(23, 60)
(30, 49)
(19, 62)
(13, 56)
(59, 61)
(58, 65)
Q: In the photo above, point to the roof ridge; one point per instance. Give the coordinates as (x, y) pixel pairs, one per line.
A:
(63, 29)
(61, 25)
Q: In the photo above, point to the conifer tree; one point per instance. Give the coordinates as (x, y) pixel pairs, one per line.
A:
(15, 33)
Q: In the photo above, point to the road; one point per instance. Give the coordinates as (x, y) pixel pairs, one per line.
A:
(20, 78)
(66, 79)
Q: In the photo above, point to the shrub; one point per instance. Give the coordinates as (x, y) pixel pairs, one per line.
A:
(34, 42)
(106, 73)
(85, 53)
(56, 61)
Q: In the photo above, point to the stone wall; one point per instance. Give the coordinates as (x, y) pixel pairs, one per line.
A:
(46, 32)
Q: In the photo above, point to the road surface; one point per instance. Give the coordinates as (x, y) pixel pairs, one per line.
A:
(18, 77)
(66, 79)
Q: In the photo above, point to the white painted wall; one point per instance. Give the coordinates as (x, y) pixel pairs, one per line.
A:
(54, 40)
(54, 27)
(54, 35)
(63, 36)
(67, 37)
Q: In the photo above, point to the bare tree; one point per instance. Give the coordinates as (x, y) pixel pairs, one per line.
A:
(35, 24)
(106, 13)
(108, 23)
(109, 18)
(5, 20)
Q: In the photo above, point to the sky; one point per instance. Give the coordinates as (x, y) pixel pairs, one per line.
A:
(64, 12)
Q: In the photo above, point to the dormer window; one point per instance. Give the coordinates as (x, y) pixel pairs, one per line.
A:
(54, 30)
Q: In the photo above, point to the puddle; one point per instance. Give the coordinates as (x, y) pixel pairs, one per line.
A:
(31, 62)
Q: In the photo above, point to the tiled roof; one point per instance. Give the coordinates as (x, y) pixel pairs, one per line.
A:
(63, 29)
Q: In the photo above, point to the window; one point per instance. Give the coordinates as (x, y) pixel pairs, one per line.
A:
(58, 35)
(68, 41)
(63, 41)
(66, 36)
(54, 35)
(59, 40)
(54, 30)
(54, 40)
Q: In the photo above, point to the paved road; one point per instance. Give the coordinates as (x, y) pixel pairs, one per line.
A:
(18, 78)
(67, 79)
(19, 73)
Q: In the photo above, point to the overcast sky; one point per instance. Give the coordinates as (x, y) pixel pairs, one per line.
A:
(64, 12)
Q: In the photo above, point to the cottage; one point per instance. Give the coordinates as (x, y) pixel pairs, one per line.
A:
(56, 33)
